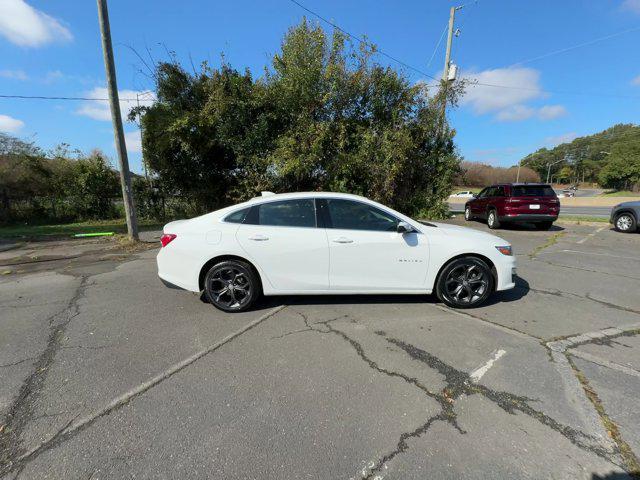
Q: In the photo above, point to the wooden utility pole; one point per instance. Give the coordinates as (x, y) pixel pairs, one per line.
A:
(116, 118)
(447, 64)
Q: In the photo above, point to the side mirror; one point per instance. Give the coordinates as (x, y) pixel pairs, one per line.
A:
(404, 227)
(474, 195)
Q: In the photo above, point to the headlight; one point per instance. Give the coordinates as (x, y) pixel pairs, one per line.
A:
(505, 250)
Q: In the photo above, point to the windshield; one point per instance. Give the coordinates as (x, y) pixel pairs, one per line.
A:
(532, 191)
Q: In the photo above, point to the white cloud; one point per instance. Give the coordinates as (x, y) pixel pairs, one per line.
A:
(9, 124)
(631, 5)
(99, 109)
(14, 74)
(636, 81)
(487, 99)
(53, 76)
(559, 139)
(26, 26)
(509, 101)
(133, 141)
(549, 112)
(515, 113)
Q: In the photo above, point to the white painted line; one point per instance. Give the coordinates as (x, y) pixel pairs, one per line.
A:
(479, 372)
(124, 398)
(592, 234)
(601, 254)
(605, 363)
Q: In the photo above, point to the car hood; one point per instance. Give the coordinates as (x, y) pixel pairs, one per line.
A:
(628, 204)
(469, 233)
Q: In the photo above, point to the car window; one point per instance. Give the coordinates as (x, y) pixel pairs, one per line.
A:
(483, 193)
(499, 192)
(287, 213)
(532, 191)
(350, 215)
(490, 192)
(237, 217)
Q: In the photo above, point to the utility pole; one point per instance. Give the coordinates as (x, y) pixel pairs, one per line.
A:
(116, 118)
(447, 63)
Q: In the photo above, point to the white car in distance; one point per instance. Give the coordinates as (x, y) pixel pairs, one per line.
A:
(320, 243)
(463, 194)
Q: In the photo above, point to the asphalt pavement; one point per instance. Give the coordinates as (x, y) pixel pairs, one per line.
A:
(105, 373)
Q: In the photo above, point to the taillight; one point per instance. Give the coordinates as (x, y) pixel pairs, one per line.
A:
(167, 238)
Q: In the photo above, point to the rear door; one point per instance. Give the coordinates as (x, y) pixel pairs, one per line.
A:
(533, 200)
(283, 239)
(366, 251)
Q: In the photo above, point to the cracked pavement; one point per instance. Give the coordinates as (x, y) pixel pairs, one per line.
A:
(105, 373)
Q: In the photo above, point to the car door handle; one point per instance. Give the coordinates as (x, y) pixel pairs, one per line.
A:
(342, 240)
(259, 238)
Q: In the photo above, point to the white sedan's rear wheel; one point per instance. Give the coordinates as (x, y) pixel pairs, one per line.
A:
(232, 286)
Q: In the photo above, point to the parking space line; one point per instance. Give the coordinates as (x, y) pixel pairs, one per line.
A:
(592, 234)
(479, 372)
(78, 424)
(601, 254)
(605, 363)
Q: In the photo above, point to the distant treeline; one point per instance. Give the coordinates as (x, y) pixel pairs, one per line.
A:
(66, 186)
(473, 174)
(611, 158)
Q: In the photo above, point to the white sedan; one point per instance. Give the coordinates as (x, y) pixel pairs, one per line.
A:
(329, 243)
(463, 194)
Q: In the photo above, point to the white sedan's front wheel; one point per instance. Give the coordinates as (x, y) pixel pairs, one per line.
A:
(465, 282)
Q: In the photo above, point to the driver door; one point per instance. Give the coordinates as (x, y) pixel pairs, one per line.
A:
(366, 253)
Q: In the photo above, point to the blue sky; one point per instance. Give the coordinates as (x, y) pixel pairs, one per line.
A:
(53, 49)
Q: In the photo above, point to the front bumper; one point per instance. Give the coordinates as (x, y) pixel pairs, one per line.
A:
(506, 273)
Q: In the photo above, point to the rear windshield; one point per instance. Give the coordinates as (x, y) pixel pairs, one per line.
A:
(532, 191)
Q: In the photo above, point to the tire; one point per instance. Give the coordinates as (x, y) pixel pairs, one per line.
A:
(625, 223)
(467, 214)
(543, 225)
(465, 282)
(232, 286)
(492, 219)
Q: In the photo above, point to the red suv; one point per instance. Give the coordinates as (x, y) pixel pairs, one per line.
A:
(535, 203)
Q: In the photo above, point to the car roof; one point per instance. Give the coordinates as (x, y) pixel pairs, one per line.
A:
(294, 195)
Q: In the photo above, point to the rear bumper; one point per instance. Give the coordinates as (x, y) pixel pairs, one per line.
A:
(528, 217)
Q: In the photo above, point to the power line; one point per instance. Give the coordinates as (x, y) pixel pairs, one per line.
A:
(558, 92)
(360, 40)
(595, 94)
(573, 47)
(42, 97)
(435, 50)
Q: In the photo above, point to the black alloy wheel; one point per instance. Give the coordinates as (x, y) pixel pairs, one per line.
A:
(232, 286)
(465, 283)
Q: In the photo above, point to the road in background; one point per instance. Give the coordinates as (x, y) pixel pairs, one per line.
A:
(564, 210)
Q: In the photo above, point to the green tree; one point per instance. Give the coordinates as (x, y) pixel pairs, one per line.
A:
(622, 171)
(325, 116)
